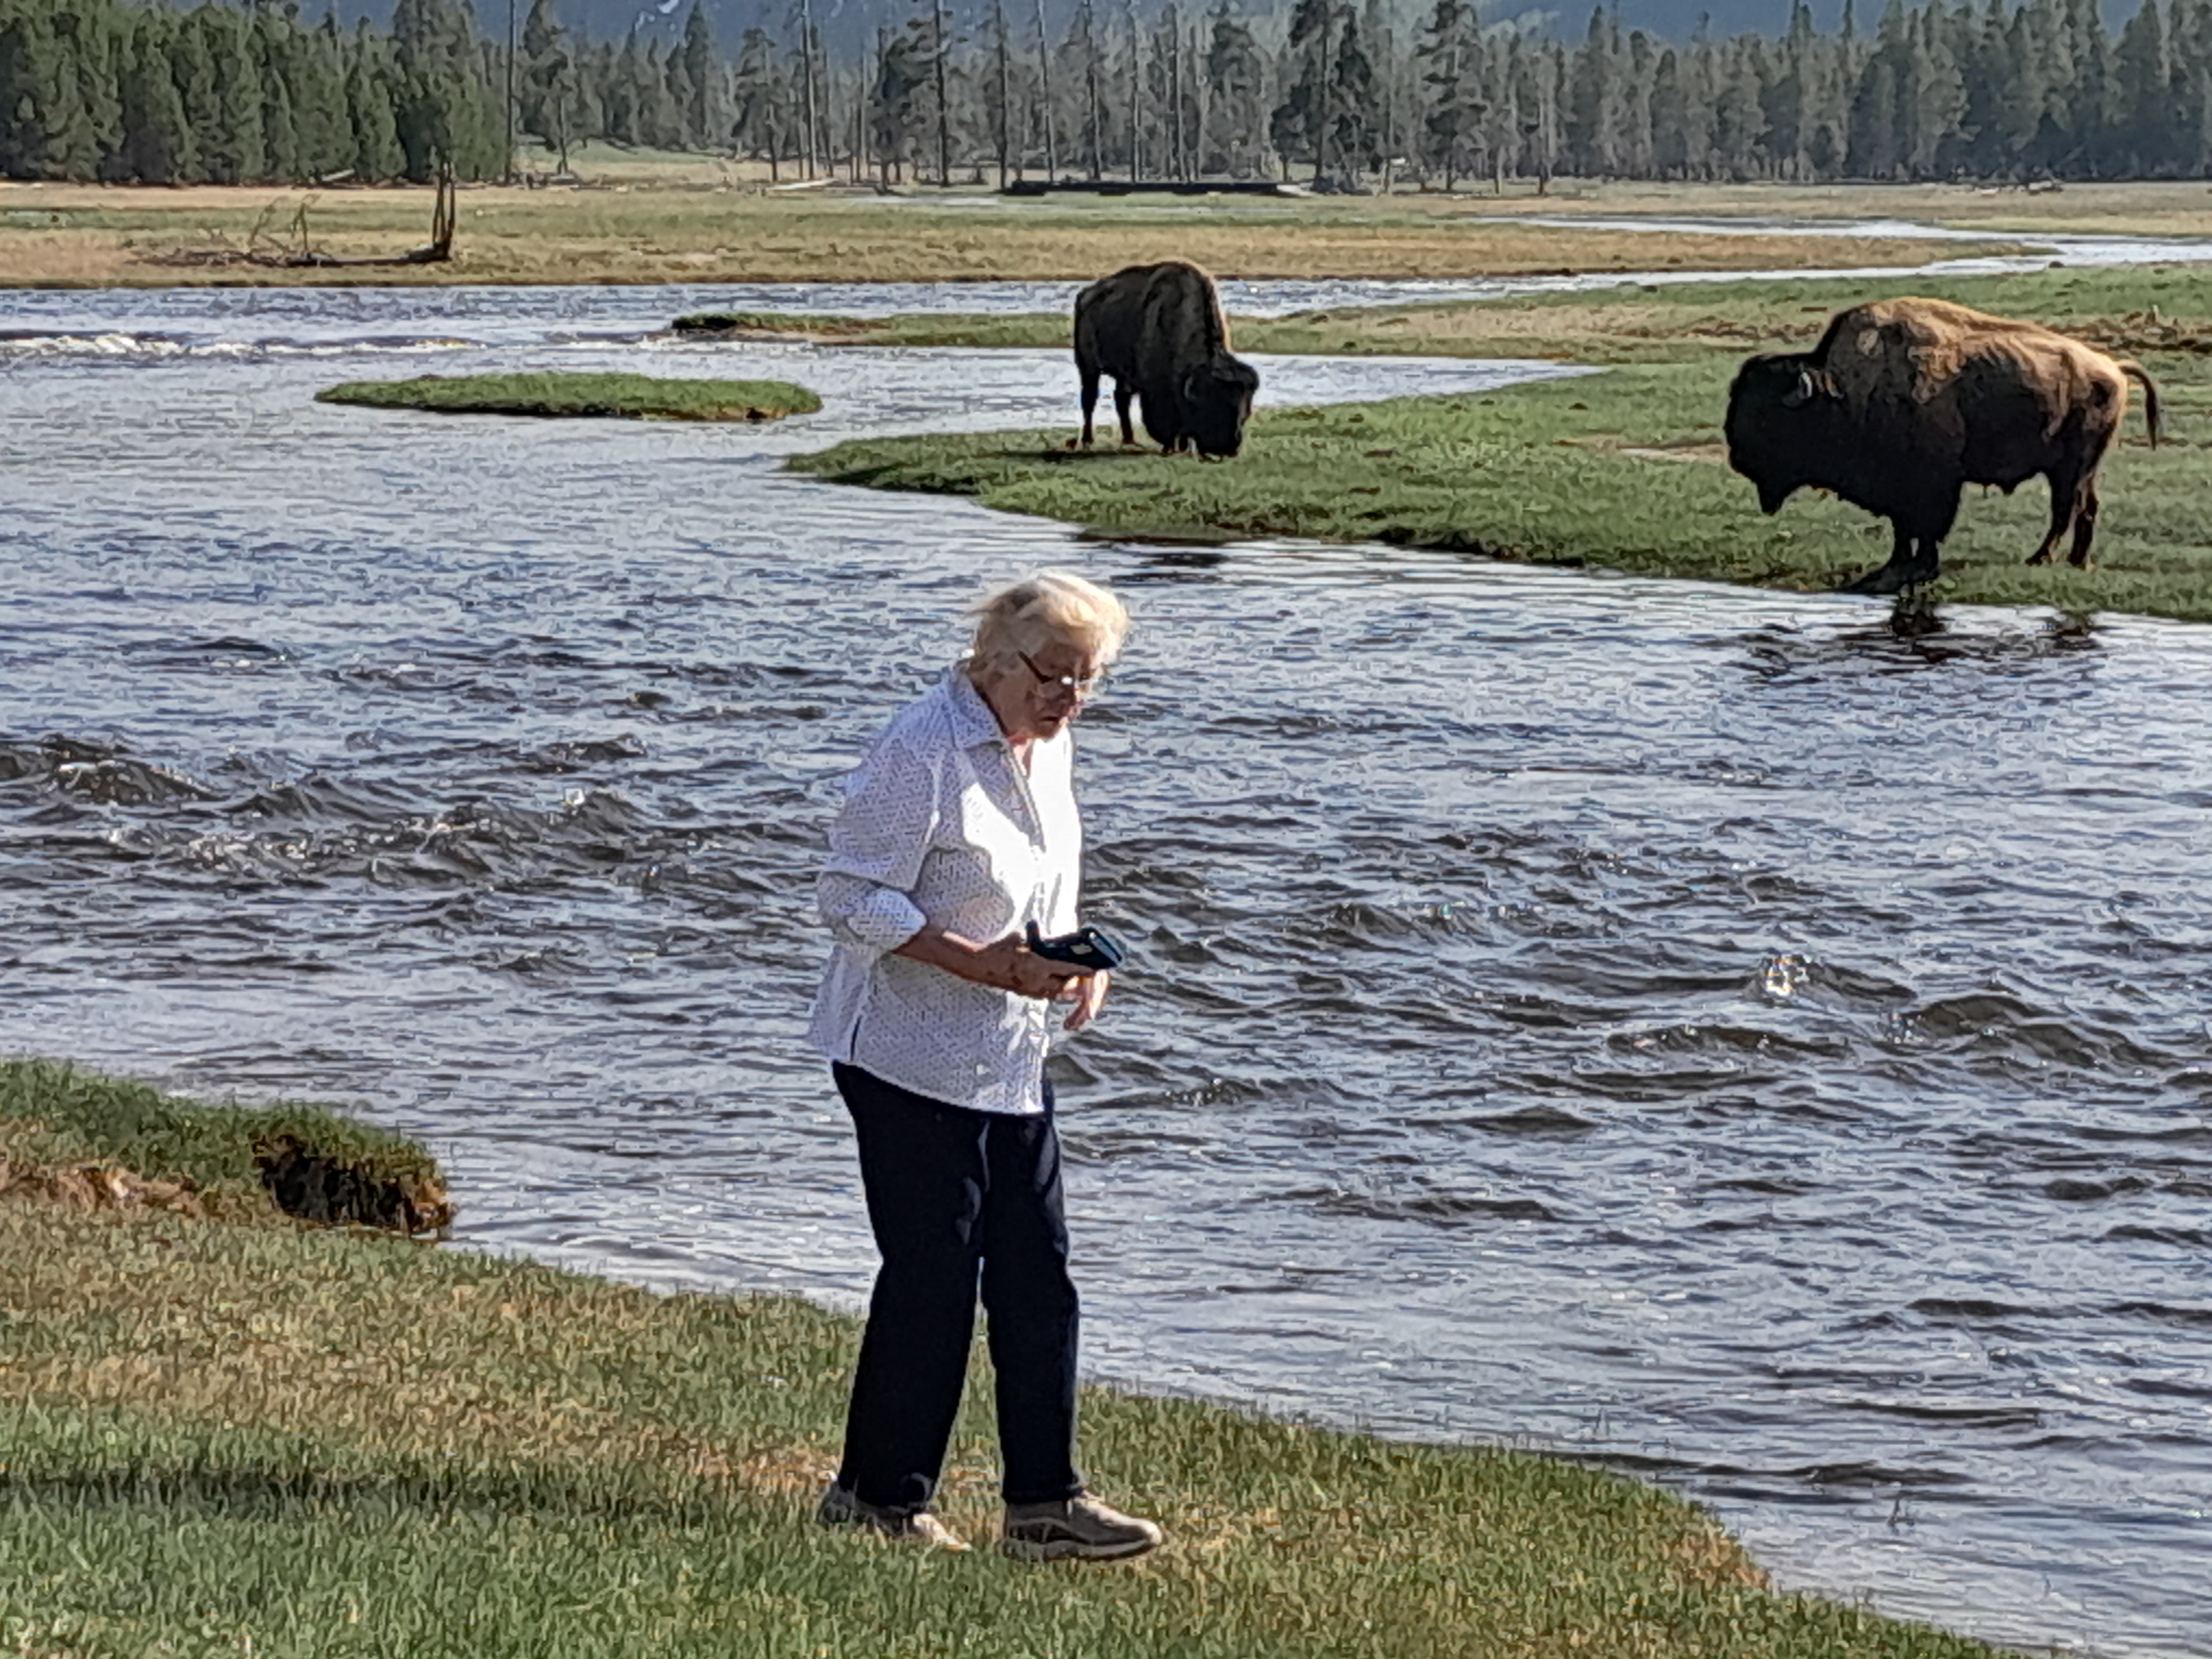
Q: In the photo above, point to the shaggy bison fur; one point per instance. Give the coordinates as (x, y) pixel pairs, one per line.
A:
(1906, 402)
(1158, 331)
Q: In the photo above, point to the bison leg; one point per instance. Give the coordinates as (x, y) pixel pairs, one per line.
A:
(1122, 397)
(2065, 510)
(2084, 527)
(1090, 400)
(1928, 562)
(1897, 573)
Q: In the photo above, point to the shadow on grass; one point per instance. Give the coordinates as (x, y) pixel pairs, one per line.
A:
(266, 1491)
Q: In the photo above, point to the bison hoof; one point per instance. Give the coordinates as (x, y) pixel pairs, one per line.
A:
(1889, 578)
(2044, 557)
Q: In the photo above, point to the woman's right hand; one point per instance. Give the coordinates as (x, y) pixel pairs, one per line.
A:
(1011, 965)
(1005, 965)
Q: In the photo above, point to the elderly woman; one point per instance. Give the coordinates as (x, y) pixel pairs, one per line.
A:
(959, 832)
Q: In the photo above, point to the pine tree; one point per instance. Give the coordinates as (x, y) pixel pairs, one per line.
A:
(1500, 92)
(2189, 41)
(554, 102)
(1235, 85)
(1448, 52)
(1739, 118)
(372, 83)
(321, 122)
(1670, 117)
(1633, 149)
(269, 38)
(1303, 120)
(695, 79)
(229, 110)
(158, 145)
(89, 144)
(1594, 102)
(1939, 99)
(1353, 138)
(2143, 70)
(903, 96)
(31, 80)
(752, 88)
(1785, 99)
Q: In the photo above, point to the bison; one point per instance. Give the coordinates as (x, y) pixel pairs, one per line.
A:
(1906, 402)
(1158, 331)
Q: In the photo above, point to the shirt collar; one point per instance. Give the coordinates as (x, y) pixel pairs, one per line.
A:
(972, 722)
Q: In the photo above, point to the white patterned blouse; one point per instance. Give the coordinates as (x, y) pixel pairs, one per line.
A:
(940, 826)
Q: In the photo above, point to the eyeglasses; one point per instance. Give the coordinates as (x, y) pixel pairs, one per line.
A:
(1083, 686)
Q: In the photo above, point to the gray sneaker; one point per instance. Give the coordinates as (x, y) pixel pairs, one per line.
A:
(840, 1508)
(1077, 1528)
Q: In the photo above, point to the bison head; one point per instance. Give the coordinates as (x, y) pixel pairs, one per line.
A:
(1778, 422)
(1217, 401)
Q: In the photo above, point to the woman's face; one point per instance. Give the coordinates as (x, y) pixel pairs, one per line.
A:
(1043, 690)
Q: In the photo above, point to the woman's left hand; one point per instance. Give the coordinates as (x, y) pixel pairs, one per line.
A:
(1088, 993)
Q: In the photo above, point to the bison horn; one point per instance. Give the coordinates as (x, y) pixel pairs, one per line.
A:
(1801, 393)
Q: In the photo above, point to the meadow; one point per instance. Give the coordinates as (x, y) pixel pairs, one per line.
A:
(637, 225)
(1623, 470)
(251, 1434)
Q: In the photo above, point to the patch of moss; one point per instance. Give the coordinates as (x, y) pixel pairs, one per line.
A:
(617, 397)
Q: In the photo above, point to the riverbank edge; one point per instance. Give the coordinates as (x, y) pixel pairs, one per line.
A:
(1622, 471)
(222, 1386)
(2156, 310)
(572, 396)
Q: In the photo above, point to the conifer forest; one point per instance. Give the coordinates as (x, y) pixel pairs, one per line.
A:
(1336, 95)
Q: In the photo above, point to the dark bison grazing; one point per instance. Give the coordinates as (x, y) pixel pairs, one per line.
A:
(1158, 331)
(1906, 402)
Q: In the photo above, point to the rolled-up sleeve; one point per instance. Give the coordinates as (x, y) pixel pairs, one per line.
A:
(877, 845)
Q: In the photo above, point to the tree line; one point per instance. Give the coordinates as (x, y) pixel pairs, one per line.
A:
(1342, 94)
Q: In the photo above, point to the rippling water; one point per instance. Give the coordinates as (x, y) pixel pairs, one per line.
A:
(1681, 1025)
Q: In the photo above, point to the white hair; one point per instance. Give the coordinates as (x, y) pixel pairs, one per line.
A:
(1047, 607)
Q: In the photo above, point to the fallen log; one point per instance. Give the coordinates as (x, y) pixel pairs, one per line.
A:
(439, 250)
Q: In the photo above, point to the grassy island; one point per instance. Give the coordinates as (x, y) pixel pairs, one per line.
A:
(255, 1436)
(617, 397)
(1623, 469)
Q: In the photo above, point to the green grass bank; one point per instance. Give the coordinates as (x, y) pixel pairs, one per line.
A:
(1623, 469)
(76, 1137)
(222, 1439)
(616, 396)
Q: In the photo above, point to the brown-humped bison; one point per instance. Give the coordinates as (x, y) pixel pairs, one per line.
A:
(1158, 331)
(1906, 402)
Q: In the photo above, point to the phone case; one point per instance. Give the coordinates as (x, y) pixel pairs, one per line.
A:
(1087, 947)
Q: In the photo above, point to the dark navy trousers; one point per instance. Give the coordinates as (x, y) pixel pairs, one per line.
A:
(958, 1198)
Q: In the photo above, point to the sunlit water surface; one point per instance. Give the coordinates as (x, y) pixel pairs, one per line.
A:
(1684, 1026)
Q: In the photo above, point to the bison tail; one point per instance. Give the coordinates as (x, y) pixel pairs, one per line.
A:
(2135, 372)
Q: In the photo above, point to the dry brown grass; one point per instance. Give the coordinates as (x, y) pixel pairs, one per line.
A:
(2158, 209)
(74, 235)
(93, 1187)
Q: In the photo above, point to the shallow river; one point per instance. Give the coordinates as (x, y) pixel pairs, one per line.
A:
(1679, 1025)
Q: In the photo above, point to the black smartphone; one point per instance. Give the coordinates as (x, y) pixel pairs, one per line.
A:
(1087, 947)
